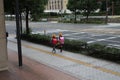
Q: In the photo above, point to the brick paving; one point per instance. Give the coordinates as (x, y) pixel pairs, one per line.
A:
(69, 63)
(31, 70)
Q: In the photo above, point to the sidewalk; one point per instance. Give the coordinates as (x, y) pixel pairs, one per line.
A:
(77, 65)
(31, 70)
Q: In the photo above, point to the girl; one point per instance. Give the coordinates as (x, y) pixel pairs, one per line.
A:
(54, 42)
(61, 41)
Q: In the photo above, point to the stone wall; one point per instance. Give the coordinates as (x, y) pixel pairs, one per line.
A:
(3, 45)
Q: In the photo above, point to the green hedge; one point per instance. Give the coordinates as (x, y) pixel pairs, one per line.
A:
(95, 50)
(74, 46)
(70, 45)
(104, 52)
(37, 38)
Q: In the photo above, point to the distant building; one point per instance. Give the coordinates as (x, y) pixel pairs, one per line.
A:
(59, 6)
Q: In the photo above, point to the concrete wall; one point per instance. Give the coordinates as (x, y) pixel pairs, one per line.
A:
(3, 47)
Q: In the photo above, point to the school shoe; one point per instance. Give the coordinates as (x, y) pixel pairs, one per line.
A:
(54, 51)
(61, 50)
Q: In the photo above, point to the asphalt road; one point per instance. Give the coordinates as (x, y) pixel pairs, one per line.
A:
(91, 33)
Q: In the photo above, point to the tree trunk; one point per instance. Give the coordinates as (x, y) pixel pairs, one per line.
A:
(27, 24)
(88, 9)
(75, 17)
(87, 16)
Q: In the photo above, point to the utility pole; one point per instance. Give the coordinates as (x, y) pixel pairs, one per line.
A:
(106, 20)
(18, 34)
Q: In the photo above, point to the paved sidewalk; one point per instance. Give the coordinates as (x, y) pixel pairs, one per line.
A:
(80, 66)
(31, 70)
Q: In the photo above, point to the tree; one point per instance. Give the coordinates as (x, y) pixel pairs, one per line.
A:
(116, 6)
(83, 6)
(33, 7)
(38, 9)
(90, 6)
(73, 6)
(9, 8)
(113, 6)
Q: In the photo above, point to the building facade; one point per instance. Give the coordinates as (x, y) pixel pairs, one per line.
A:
(56, 6)
(3, 43)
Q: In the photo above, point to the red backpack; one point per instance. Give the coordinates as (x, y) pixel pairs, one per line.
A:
(54, 41)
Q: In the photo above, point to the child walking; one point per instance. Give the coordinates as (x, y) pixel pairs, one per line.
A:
(61, 41)
(54, 43)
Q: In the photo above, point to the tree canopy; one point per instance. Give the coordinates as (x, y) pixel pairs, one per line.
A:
(113, 5)
(9, 6)
(83, 6)
(33, 7)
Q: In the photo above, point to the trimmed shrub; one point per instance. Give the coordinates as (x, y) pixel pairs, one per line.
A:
(112, 53)
(37, 38)
(70, 45)
(104, 52)
(94, 50)
(74, 46)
